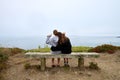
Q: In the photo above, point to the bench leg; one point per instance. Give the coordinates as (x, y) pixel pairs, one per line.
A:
(43, 63)
(81, 62)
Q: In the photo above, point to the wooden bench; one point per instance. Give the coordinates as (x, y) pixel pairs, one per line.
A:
(43, 56)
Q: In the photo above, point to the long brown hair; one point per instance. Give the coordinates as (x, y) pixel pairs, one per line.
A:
(62, 38)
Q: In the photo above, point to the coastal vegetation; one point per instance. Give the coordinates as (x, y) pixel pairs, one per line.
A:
(4, 55)
(105, 48)
(74, 49)
(7, 53)
(99, 49)
(11, 51)
(3, 64)
(3, 59)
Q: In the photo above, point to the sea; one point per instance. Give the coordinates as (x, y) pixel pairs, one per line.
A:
(36, 42)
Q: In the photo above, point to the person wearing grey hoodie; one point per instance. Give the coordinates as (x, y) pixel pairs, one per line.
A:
(53, 41)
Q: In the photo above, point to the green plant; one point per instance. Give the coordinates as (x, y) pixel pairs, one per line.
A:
(3, 57)
(80, 49)
(27, 66)
(93, 65)
(74, 49)
(39, 50)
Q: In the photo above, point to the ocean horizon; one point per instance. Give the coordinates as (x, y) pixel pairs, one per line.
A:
(35, 42)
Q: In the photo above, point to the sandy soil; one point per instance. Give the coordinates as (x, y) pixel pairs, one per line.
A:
(109, 69)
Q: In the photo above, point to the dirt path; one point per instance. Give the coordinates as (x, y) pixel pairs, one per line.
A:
(108, 63)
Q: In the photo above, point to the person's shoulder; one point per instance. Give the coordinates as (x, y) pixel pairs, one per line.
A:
(67, 38)
(54, 36)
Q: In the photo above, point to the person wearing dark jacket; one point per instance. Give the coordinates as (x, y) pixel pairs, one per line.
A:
(65, 46)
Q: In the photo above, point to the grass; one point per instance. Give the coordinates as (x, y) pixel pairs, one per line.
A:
(6, 52)
(80, 49)
(11, 51)
(39, 50)
(3, 64)
(74, 49)
(99, 49)
(4, 55)
(102, 48)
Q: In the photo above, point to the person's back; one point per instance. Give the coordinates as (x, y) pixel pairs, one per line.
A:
(66, 47)
(53, 41)
(65, 44)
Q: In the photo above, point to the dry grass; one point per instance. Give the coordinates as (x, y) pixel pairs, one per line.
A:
(109, 65)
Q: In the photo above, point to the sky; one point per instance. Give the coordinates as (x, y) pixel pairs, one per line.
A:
(75, 17)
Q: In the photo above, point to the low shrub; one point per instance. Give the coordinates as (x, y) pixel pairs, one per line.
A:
(27, 66)
(16, 50)
(11, 51)
(3, 59)
(104, 48)
(6, 51)
(93, 66)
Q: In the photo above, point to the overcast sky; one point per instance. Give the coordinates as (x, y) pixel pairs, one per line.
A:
(75, 17)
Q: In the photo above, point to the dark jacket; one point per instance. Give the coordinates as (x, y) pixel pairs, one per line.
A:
(66, 47)
(57, 48)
